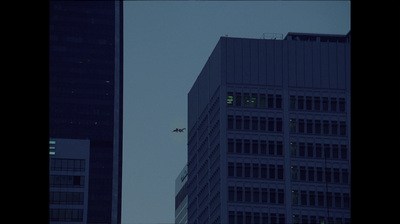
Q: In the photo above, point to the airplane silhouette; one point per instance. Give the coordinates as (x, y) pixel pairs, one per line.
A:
(178, 130)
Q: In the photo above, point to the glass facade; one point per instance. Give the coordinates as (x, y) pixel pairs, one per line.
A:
(85, 94)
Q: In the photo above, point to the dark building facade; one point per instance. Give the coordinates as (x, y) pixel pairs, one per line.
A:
(85, 93)
(269, 132)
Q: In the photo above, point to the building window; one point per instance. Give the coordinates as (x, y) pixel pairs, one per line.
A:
(346, 200)
(334, 127)
(271, 171)
(264, 195)
(342, 128)
(239, 194)
(325, 105)
(230, 122)
(253, 100)
(335, 151)
(231, 194)
(333, 104)
(293, 149)
(328, 175)
(230, 99)
(263, 147)
(301, 125)
(238, 100)
(292, 103)
(319, 174)
(246, 125)
(272, 196)
(342, 104)
(317, 127)
(247, 146)
(300, 104)
(256, 170)
(263, 124)
(231, 169)
(247, 170)
(317, 103)
(318, 150)
(262, 101)
(247, 194)
(294, 172)
(295, 197)
(256, 195)
(292, 124)
(280, 172)
(302, 149)
(345, 176)
(303, 197)
(270, 101)
(238, 122)
(278, 102)
(279, 148)
(281, 196)
(343, 151)
(239, 170)
(321, 199)
(230, 145)
(271, 147)
(254, 123)
(246, 100)
(231, 217)
(310, 173)
(264, 171)
(336, 175)
(255, 147)
(309, 126)
(308, 103)
(278, 124)
(302, 173)
(310, 150)
(327, 151)
(326, 127)
(239, 145)
(271, 124)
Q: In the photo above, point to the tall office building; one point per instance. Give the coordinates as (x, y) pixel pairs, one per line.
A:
(85, 95)
(269, 132)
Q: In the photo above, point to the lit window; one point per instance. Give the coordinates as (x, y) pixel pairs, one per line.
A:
(230, 99)
(253, 100)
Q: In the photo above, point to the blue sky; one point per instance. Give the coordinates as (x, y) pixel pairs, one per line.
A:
(166, 44)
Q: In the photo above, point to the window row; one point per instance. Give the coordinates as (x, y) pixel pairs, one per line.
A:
(67, 164)
(318, 150)
(256, 195)
(312, 219)
(309, 103)
(319, 174)
(325, 127)
(240, 217)
(254, 100)
(66, 198)
(67, 181)
(254, 123)
(255, 170)
(321, 199)
(66, 215)
(255, 147)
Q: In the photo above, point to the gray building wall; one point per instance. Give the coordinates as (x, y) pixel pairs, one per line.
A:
(292, 71)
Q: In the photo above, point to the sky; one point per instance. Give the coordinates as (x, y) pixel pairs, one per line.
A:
(166, 44)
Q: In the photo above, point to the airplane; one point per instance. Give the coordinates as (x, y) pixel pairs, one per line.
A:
(178, 130)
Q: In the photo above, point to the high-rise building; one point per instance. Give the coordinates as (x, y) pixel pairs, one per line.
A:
(85, 93)
(69, 180)
(181, 197)
(269, 132)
